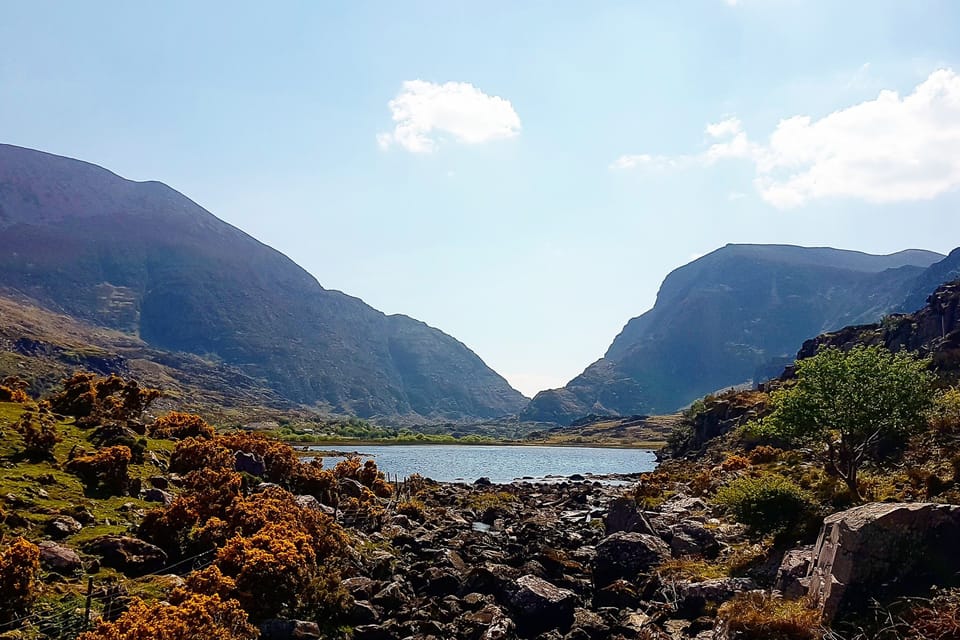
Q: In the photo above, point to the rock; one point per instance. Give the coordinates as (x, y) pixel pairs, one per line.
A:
(619, 594)
(482, 482)
(624, 515)
(791, 579)
(277, 629)
(624, 555)
(351, 488)
(441, 581)
(362, 612)
(158, 495)
(692, 538)
(63, 526)
(360, 587)
(540, 605)
(635, 623)
(879, 550)
(684, 506)
(591, 625)
(58, 558)
(391, 597)
(693, 596)
(249, 463)
(159, 482)
(310, 503)
(498, 625)
(491, 578)
(129, 555)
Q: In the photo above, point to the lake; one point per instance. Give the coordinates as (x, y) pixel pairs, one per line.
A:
(466, 463)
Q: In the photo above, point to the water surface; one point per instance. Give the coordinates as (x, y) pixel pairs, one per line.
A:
(466, 463)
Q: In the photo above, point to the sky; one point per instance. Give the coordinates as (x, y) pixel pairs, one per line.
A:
(521, 175)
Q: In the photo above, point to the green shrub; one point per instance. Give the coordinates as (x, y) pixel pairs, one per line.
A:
(768, 503)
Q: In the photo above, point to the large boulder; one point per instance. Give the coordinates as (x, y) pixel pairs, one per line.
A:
(540, 606)
(55, 557)
(623, 514)
(625, 555)
(881, 550)
(132, 556)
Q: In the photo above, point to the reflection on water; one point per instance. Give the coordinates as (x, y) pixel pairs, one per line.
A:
(466, 463)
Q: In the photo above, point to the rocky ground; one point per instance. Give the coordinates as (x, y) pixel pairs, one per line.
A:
(564, 560)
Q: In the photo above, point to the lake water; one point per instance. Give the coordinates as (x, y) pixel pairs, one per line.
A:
(466, 463)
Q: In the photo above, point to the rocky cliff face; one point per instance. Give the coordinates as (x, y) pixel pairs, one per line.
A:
(144, 259)
(933, 330)
(722, 318)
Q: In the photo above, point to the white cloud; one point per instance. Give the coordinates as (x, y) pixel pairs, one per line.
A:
(728, 127)
(426, 113)
(890, 149)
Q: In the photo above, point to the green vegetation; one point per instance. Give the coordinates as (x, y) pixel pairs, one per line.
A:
(857, 403)
(767, 503)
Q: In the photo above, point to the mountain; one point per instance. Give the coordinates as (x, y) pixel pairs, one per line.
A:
(729, 317)
(142, 259)
(946, 270)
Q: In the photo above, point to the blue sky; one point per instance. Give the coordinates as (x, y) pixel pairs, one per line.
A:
(553, 163)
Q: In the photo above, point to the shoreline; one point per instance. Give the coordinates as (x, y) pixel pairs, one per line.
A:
(652, 445)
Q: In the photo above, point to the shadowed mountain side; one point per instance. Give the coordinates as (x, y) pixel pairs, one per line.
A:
(720, 318)
(143, 259)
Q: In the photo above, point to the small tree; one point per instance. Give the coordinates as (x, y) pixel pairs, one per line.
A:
(852, 401)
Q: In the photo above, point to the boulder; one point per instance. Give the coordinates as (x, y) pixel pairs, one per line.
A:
(624, 515)
(249, 463)
(63, 526)
(158, 495)
(882, 550)
(58, 558)
(278, 629)
(350, 488)
(791, 579)
(132, 556)
(540, 606)
(625, 555)
(692, 538)
(312, 504)
(692, 597)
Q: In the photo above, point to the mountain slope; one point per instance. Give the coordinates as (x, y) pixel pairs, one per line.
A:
(723, 316)
(143, 259)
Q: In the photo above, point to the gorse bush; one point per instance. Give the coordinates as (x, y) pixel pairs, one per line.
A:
(19, 569)
(13, 389)
(177, 426)
(198, 617)
(95, 400)
(107, 469)
(38, 429)
(768, 503)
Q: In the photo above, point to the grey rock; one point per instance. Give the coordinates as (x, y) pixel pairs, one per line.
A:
(277, 629)
(791, 579)
(158, 495)
(625, 555)
(129, 555)
(897, 548)
(541, 606)
(624, 515)
(58, 558)
(249, 463)
(63, 526)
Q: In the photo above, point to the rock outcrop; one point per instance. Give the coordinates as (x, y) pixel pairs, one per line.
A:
(882, 549)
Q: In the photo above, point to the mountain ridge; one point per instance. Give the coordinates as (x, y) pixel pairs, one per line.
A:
(727, 315)
(142, 258)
